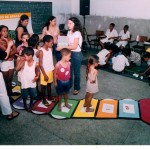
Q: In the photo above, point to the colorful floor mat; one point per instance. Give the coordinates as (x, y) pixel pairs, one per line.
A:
(128, 108)
(40, 108)
(107, 108)
(65, 113)
(18, 104)
(145, 110)
(81, 113)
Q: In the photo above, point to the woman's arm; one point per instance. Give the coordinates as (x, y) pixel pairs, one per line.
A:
(20, 31)
(43, 33)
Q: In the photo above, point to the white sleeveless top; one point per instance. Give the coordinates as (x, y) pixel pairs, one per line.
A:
(47, 60)
(27, 75)
(35, 58)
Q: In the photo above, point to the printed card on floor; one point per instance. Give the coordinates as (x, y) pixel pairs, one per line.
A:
(128, 108)
(108, 108)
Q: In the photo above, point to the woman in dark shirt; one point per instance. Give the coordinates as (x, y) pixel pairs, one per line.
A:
(21, 28)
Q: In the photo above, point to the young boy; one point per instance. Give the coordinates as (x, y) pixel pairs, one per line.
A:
(104, 55)
(62, 77)
(119, 62)
(29, 76)
(46, 67)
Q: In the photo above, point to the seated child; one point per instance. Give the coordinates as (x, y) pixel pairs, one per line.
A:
(104, 55)
(29, 76)
(133, 57)
(119, 62)
(147, 71)
(62, 77)
(24, 38)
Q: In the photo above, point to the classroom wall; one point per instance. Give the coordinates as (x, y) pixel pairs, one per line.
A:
(135, 13)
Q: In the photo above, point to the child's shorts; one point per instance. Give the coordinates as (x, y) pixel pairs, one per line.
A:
(7, 65)
(50, 78)
(62, 87)
(28, 92)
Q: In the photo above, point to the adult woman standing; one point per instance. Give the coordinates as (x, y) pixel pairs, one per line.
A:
(21, 28)
(75, 42)
(51, 28)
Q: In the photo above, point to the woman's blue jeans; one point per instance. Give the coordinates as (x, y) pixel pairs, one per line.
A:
(76, 59)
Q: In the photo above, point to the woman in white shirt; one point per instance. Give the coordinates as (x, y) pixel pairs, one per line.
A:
(51, 28)
(74, 44)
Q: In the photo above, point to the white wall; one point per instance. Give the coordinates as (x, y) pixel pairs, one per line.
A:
(138, 9)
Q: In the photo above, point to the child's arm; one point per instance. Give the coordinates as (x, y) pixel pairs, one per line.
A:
(107, 57)
(37, 73)
(55, 75)
(19, 63)
(94, 76)
(10, 43)
(41, 65)
(145, 71)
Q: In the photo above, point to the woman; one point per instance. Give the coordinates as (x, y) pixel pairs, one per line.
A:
(50, 28)
(75, 42)
(21, 28)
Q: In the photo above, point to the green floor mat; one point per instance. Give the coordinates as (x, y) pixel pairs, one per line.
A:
(65, 113)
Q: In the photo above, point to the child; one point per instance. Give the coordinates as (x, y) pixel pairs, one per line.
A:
(92, 82)
(7, 65)
(147, 71)
(33, 42)
(62, 77)
(104, 55)
(124, 37)
(47, 67)
(24, 38)
(119, 62)
(29, 76)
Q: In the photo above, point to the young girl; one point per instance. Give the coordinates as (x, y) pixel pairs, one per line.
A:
(62, 77)
(24, 38)
(46, 67)
(29, 76)
(92, 82)
(7, 66)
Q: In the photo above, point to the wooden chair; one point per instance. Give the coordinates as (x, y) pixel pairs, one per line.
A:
(140, 47)
(95, 42)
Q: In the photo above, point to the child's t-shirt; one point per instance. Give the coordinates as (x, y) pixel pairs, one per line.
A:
(63, 73)
(47, 60)
(102, 56)
(119, 63)
(124, 35)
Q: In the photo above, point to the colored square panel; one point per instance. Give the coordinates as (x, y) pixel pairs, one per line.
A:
(80, 111)
(65, 112)
(40, 108)
(128, 108)
(107, 108)
(145, 110)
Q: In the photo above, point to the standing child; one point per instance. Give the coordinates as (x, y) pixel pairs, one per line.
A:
(92, 82)
(47, 67)
(62, 77)
(29, 76)
(7, 65)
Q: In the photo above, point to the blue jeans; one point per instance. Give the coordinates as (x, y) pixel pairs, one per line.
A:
(56, 53)
(76, 59)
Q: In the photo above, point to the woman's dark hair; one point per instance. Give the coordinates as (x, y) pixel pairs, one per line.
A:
(77, 24)
(22, 18)
(33, 40)
(51, 18)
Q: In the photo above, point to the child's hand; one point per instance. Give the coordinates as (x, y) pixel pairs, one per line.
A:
(35, 79)
(46, 78)
(55, 84)
(92, 82)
